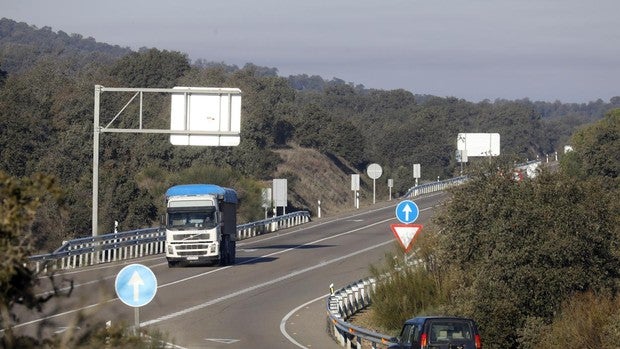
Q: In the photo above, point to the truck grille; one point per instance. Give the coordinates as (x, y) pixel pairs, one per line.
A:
(191, 253)
(190, 237)
(203, 247)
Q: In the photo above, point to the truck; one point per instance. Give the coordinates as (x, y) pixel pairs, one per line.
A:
(201, 224)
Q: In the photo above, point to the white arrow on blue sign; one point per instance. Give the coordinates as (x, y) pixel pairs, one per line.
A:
(136, 285)
(407, 211)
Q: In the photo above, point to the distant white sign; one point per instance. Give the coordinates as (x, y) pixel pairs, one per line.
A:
(478, 144)
(280, 195)
(266, 198)
(461, 156)
(416, 171)
(214, 112)
(355, 182)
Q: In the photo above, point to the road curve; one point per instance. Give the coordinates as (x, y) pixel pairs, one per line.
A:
(273, 297)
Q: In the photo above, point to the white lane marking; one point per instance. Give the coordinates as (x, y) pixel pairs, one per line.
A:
(257, 286)
(60, 330)
(222, 340)
(287, 316)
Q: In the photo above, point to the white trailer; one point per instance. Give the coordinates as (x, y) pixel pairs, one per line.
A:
(201, 224)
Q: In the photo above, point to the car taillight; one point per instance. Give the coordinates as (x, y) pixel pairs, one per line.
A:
(478, 341)
(423, 340)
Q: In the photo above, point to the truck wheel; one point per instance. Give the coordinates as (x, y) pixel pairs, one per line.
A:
(224, 252)
(233, 252)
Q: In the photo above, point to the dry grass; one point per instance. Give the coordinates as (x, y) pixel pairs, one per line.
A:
(364, 318)
(317, 178)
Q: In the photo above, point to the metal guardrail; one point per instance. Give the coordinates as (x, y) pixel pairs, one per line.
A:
(434, 186)
(528, 166)
(142, 242)
(347, 301)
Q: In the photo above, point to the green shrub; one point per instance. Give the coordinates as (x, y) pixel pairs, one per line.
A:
(405, 293)
(410, 285)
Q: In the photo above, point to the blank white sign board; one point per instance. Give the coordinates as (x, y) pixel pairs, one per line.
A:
(211, 115)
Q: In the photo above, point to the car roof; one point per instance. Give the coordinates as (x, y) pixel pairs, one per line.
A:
(418, 319)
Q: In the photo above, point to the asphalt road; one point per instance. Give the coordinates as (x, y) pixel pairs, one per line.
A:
(273, 297)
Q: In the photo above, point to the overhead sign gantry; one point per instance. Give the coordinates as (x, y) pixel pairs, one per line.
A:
(202, 116)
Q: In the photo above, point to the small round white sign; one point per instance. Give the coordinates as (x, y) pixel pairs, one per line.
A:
(374, 171)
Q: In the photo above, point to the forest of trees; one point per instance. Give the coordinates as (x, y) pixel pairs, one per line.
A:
(46, 111)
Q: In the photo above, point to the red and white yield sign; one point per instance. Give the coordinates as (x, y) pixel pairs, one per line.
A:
(406, 234)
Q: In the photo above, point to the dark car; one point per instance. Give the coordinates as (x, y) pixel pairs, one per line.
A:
(438, 332)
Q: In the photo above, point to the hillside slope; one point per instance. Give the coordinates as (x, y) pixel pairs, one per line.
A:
(313, 176)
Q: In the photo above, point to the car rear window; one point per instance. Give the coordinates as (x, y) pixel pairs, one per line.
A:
(450, 330)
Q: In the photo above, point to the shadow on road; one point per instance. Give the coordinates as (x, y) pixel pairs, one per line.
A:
(287, 247)
(253, 260)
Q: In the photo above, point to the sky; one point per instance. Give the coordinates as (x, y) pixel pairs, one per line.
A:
(544, 50)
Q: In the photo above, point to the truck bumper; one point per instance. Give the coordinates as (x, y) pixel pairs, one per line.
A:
(193, 260)
(193, 253)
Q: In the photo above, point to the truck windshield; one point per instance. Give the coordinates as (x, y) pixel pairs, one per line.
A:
(183, 220)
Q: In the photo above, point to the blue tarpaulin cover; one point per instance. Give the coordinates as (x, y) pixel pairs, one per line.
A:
(230, 195)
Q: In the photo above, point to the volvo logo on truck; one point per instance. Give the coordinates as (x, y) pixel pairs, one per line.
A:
(201, 224)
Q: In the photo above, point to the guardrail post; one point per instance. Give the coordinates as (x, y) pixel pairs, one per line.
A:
(355, 294)
(341, 337)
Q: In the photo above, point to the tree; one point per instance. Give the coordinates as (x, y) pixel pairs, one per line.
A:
(596, 149)
(151, 68)
(518, 249)
(3, 76)
(20, 201)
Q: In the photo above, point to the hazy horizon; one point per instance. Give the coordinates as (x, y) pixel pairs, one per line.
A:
(472, 49)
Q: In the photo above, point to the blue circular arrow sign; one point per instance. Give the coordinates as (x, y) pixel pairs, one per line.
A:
(135, 285)
(407, 211)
